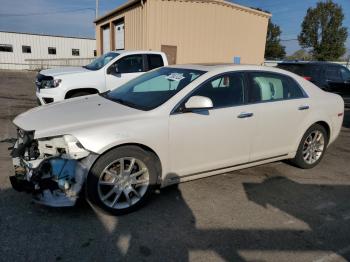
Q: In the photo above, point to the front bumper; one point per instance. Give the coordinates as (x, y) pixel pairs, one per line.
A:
(48, 95)
(53, 181)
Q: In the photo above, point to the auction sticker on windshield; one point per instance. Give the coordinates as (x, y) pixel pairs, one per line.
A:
(175, 77)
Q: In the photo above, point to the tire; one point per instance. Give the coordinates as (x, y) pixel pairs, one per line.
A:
(77, 94)
(119, 192)
(303, 157)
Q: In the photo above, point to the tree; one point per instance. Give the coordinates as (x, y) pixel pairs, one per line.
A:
(300, 55)
(323, 31)
(274, 49)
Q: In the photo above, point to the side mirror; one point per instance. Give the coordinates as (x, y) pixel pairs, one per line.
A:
(113, 69)
(116, 69)
(199, 102)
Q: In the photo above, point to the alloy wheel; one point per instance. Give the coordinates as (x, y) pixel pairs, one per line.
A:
(313, 147)
(123, 183)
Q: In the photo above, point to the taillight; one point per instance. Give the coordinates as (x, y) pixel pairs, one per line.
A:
(308, 78)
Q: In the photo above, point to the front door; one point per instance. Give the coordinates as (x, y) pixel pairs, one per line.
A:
(212, 139)
(123, 70)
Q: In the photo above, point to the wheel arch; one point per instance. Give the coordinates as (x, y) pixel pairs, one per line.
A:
(90, 90)
(142, 146)
(323, 123)
(326, 127)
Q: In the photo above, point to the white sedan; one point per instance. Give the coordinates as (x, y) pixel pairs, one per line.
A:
(170, 125)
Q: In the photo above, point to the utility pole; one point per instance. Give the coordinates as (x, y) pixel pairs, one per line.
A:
(96, 9)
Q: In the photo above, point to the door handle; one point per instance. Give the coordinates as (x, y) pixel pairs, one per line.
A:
(245, 115)
(304, 107)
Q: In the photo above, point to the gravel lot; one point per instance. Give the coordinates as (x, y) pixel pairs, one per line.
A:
(274, 212)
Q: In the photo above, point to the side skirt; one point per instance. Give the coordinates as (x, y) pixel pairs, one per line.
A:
(172, 178)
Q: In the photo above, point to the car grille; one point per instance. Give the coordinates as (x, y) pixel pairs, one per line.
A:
(41, 80)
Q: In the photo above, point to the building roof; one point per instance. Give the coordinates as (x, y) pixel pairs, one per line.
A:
(223, 2)
(21, 33)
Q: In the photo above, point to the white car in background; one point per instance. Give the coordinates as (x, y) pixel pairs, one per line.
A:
(170, 125)
(104, 73)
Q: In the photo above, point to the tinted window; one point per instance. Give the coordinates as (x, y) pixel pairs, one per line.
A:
(75, 52)
(6, 48)
(312, 71)
(333, 73)
(225, 90)
(345, 74)
(26, 49)
(52, 50)
(270, 87)
(154, 61)
(154, 88)
(130, 64)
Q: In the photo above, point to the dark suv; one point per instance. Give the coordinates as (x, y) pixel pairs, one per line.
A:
(330, 77)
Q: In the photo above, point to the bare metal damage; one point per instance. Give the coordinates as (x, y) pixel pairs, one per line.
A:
(52, 169)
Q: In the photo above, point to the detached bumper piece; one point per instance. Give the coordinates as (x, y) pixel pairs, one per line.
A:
(53, 181)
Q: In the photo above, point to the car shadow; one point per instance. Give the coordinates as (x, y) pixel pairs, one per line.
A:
(165, 229)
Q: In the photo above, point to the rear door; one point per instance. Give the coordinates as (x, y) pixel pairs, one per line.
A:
(128, 67)
(280, 107)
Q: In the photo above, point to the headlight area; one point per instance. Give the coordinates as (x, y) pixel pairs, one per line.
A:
(52, 169)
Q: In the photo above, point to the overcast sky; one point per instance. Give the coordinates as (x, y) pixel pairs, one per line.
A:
(74, 17)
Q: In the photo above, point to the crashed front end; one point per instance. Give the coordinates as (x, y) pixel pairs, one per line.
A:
(52, 169)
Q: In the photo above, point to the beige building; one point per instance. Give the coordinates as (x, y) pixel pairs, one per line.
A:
(188, 31)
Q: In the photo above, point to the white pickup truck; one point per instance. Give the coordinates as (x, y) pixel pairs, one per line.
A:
(104, 73)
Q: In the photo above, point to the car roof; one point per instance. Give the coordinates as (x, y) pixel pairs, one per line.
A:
(227, 67)
(306, 63)
(126, 52)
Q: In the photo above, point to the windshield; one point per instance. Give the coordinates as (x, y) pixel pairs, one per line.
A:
(101, 61)
(154, 88)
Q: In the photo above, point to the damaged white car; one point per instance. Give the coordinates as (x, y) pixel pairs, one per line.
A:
(170, 125)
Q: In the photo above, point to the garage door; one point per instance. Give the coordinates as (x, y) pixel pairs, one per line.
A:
(119, 36)
(105, 40)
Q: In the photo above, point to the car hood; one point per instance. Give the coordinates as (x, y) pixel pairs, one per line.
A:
(63, 71)
(74, 116)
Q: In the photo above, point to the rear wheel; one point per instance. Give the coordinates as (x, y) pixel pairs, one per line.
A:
(122, 180)
(312, 147)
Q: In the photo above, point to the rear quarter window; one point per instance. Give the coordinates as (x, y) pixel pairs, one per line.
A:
(154, 61)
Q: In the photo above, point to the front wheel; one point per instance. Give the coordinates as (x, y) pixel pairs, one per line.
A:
(122, 180)
(312, 147)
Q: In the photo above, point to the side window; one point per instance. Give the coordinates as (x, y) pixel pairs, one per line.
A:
(333, 73)
(154, 61)
(345, 74)
(225, 90)
(130, 64)
(270, 87)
